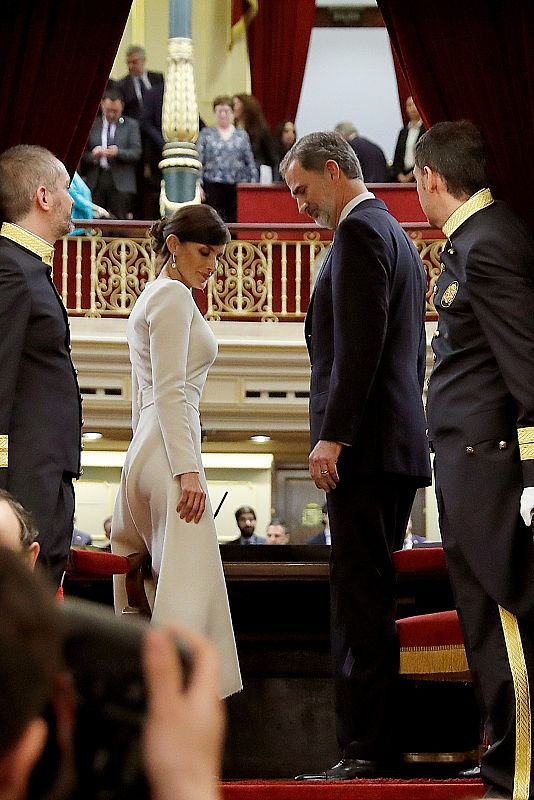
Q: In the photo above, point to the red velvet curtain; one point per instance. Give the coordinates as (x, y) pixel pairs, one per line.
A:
(475, 60)
(57, 55)
(278, 40)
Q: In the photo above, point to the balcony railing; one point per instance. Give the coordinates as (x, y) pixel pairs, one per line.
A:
(267, 276)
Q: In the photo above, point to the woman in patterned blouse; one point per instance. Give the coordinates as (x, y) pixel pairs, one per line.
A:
(227, 160)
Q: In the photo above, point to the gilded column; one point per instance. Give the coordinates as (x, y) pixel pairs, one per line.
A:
(180, 165)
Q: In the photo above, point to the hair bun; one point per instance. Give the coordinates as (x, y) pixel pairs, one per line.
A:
(156, 234)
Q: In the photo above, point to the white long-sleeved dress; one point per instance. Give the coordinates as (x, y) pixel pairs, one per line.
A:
(171, 349)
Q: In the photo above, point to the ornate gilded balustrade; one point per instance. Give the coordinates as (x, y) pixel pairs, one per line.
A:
(267, 276)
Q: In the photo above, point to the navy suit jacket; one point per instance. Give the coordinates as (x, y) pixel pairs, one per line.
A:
(372, 160)
(366, 339)
(126, 87)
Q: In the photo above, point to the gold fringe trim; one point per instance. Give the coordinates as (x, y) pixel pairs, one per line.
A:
(516, 658)
(441, 658)
(4, 448)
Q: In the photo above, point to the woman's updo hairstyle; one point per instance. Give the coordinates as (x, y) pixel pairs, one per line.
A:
(192, 223)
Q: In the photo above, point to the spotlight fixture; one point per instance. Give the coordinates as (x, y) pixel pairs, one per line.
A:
(260, 438)
(92, 436)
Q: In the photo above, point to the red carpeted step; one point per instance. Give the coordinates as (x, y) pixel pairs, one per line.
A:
(378, 789)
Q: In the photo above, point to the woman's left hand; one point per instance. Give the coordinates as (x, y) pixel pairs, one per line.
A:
(192, 500)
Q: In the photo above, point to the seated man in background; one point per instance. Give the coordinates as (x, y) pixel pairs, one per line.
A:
(324, 536)
(17, 531)
(245, 516)
(184, 728)
(277, 533)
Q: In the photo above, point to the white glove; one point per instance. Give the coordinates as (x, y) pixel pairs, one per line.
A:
(526, 506)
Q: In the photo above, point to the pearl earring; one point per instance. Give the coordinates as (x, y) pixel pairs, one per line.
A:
(173, 259)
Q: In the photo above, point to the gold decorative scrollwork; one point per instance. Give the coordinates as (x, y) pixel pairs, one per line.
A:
(430, 251)
(268, 279)
(122, 269)
(239, 287)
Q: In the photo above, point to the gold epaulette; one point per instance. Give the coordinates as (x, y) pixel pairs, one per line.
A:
(525, 437)
(4, 439)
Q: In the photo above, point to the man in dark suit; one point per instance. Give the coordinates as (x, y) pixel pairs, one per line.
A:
(370, 155)
(137, 83)
(111, 154)
(40, 405)
(481, 427)
(366, 339)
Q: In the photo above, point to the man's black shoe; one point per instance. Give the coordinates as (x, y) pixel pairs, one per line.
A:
(346, 770)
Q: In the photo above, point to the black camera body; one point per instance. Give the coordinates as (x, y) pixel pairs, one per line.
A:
(102, 656)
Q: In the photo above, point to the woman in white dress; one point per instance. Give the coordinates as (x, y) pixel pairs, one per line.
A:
(163, 507)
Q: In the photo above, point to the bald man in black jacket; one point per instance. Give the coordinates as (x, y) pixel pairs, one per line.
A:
(40, 404)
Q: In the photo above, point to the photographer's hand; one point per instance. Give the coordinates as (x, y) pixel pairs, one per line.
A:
(184, 729)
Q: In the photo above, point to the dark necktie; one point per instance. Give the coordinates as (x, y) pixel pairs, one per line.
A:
(109, 136)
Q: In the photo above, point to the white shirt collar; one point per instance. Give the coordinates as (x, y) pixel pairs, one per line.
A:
(353, 203)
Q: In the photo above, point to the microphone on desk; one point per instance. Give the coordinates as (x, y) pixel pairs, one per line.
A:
(225, 495)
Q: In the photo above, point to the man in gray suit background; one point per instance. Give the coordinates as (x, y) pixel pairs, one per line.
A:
(111, 154)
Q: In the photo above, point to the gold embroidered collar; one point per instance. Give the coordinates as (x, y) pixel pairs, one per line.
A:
(30, 241)
(477, 202)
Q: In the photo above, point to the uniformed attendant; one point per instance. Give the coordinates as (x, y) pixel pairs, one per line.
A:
(40, 407)
(481, 427)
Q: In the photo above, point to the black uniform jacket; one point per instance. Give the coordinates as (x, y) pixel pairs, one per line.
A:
(481, 397)
(40, 404)
(365, 334)
(482, 384)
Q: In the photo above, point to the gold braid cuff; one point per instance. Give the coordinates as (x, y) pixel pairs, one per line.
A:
(4, 440)
(516, 659)
(525, 437)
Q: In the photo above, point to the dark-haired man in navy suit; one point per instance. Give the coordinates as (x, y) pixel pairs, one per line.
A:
(366, 339)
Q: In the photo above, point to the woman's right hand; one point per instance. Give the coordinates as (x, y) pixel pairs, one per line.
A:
(192, 500)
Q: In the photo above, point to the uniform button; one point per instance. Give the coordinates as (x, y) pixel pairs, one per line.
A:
(75, 371)
(503, 445)
(436, 334)
(81, 473)
(434, 357)
(442, 270)
(470, 451)
(82, 421)
(435, 289)
(451, 251)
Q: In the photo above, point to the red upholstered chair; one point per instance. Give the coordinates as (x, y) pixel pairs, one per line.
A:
(432, 650)
(86, 564)
(432, 645)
